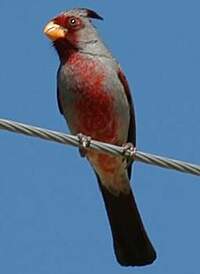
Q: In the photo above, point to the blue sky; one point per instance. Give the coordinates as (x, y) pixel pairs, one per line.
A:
(52, 218)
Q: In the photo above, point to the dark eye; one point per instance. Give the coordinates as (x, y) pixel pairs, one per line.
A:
(73, 21)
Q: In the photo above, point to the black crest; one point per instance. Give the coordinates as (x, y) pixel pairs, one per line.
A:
(92, 14)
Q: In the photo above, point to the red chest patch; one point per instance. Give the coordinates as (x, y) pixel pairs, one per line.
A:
(94, 107)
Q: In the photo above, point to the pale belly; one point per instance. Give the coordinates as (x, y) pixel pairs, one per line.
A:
(97, 108)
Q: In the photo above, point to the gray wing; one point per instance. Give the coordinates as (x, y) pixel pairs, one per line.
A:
(58, 95)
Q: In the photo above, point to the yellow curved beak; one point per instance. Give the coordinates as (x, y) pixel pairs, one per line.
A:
(54, 31)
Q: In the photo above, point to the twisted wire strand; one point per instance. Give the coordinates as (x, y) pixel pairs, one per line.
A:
(62, 138)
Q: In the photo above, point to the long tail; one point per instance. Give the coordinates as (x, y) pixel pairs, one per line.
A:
(131, 244)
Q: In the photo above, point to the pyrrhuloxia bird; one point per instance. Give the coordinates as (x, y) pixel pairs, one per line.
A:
(94, 97)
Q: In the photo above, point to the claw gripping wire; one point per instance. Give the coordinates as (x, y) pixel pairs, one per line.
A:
(62, 138)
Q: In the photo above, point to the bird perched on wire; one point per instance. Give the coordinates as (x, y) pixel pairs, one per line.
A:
(95, 99)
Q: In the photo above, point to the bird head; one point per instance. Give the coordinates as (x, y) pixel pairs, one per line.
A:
(72, 30)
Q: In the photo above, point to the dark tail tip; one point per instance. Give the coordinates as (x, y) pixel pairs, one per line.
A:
(131, 243)
(129, 258)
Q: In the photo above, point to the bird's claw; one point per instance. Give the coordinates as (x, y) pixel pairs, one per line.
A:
(84, 143)
(129, 152)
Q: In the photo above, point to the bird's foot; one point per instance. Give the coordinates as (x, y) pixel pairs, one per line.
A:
(129, 152)
(84, 143)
